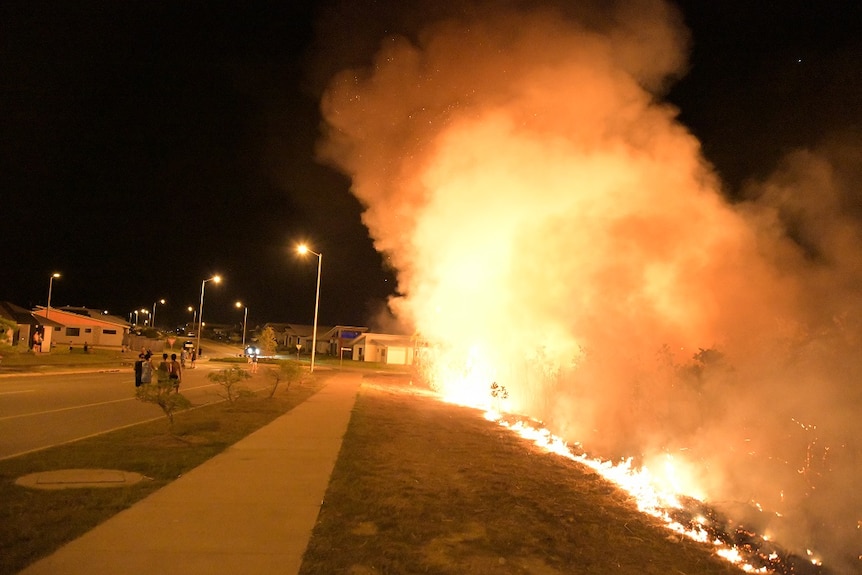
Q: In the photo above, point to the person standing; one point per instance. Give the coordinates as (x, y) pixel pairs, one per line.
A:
(147, 369)
(176, 372)
(139, 371)
(183, 355)
(194, 357)
(164, 371)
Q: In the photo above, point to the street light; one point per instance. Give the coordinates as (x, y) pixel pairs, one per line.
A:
(215, 279)
(50, 289)
(244, 322)
(146, 311)
(303, 249)
(153, 316)
(194, 317)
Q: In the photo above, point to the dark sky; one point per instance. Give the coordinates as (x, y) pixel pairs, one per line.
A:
(149, 145)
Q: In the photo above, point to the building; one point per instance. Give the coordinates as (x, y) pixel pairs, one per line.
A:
(77, 326)
(384, 348)
(26, 324)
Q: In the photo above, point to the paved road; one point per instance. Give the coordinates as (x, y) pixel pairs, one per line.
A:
(39, 411)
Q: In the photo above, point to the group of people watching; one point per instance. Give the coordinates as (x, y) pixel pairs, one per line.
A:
(168, 370)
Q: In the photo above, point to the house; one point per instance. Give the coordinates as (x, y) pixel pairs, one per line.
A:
(384, 348)
(289, 335)
(26, 325)
(334, 339)
(330, 339)
(77, 326)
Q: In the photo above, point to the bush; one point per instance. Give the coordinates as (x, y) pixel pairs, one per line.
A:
(286, 371)
(229, 380)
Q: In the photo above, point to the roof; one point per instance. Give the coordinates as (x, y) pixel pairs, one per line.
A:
(94, 313)
(385, 340)
(23, 316)
(76, 319)
(299, 329)
(391, 342)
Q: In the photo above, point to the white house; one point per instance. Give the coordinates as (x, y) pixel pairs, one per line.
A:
(85, 326)
(384, 348)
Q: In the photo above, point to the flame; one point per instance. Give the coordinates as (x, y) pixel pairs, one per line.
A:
(556, 230)
(654, 494)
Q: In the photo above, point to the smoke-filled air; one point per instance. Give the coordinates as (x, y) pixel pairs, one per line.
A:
(557, 231)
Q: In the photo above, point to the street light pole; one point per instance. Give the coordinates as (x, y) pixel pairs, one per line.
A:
(302, 250)
(153, 316)
(50, 289)
(216, 279)
(194, 317)
(244, 322)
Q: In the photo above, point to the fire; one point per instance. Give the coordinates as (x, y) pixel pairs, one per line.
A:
(555, 229)
(652, 493)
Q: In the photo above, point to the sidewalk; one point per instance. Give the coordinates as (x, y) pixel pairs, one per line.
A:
(248, 510)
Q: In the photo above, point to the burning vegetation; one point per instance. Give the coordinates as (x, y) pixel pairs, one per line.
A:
(556, 230)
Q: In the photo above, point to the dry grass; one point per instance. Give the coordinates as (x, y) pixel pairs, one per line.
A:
(426, 487)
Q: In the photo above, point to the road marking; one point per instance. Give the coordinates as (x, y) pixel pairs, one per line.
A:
(21, 391)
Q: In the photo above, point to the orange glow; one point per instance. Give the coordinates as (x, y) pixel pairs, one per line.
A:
(557, 233)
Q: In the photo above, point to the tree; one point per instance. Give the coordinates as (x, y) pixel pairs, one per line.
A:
(229, 379)
(164, 394)
(267, 342)
(286, 371)
(7, 328)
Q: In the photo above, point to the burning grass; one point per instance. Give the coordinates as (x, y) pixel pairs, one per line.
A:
(422, 486)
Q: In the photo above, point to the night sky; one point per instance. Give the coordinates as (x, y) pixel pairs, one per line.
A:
(149, 145)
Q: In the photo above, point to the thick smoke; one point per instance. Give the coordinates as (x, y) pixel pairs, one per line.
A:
(556, 230)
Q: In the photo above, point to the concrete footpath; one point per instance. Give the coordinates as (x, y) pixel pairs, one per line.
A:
(249, 510)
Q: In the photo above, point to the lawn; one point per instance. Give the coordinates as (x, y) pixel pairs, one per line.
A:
(13, 360)
(422, 486)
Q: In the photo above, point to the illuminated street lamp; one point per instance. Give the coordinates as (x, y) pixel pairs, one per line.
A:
(153, 316)
(50, 289)
(215, 279)
(146, 311)
(194, 316)
(303, 249)
(244, 322)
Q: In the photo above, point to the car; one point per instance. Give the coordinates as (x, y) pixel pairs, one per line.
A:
(188, 344)
(251, 351)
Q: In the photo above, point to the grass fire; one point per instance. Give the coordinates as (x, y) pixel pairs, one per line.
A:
(557, 231)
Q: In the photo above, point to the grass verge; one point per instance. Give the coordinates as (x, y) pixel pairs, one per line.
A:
(16, 361)
(426, 487)
(34, 523)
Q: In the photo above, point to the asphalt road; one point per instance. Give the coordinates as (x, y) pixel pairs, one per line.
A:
(39, 411)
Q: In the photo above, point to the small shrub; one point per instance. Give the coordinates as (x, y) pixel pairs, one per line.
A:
(286, 371)
(165, 395)
(229, 380)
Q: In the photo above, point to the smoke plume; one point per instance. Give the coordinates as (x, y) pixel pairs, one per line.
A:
(555, 229)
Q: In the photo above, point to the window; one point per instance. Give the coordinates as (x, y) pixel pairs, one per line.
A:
(73, 331)
(109, 331)
(88, 330)
(56, 328)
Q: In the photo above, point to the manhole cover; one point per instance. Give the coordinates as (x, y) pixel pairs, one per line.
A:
(72, 478)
